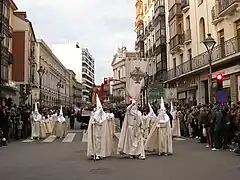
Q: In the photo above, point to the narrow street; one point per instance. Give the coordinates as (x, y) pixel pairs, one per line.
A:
(59, 160)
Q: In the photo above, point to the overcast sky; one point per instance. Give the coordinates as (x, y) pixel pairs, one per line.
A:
(100, 25)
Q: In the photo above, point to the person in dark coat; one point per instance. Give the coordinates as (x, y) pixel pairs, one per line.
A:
(217, 126)
(225, 126)
(72, 118)
(4, 124)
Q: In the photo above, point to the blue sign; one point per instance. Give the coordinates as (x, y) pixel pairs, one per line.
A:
(222, 97)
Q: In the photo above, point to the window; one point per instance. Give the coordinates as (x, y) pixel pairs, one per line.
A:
(119, 74)
(190, 57)
(172, 29)
(202, 32)
(188, 23)
(161, 2)
(181, 58)
(4, 72)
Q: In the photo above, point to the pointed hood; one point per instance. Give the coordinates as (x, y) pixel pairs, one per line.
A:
(151, 112)
(162, 106)
(35, 108)
(61, 111)
(173, 111)
(99, 104)
(162, 116)
(35, 114)
(60, 117)
(99, 114)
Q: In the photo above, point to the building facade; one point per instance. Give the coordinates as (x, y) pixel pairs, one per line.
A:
(84, 69)
(159, 47)
(75, 90)
(188, 62)
(7, 87)
(24, 59)
(119, 72)
(139, 28)
(55, 80)
(88, 74)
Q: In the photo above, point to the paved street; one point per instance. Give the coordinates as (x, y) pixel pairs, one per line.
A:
(58, 160)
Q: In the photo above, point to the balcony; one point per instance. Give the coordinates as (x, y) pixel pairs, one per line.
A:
(10, 31)
(159, 11)
(150, 26)
(231, 48)
(187, 36)
(176, 42)
(185, 5)
(175, 11)
(228, 7)
(215, 17)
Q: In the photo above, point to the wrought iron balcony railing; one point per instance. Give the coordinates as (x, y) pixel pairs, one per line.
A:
(224, 4)
(187, 35)
(178, 39)
(231, 47)
(175, 10)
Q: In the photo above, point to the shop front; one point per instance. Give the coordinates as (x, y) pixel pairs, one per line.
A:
(187, 89)
(230, 84)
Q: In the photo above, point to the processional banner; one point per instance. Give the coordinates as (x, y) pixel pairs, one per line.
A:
(136, 69)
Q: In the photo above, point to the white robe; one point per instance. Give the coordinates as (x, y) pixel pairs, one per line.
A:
(160, 138)
(147, 124)
(35, 125)
(176, 125)
(131, 141)
(100, 138)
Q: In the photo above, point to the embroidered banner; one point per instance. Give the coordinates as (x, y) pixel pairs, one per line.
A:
(136, 69)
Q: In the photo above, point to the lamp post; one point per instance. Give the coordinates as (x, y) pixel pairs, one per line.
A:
(59, 85)
(41, 72)
(209, 43)
(1, 40)
(146, 84)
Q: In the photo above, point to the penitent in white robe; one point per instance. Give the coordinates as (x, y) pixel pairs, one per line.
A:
(160, 138)
(131, 141)
(35, 125)
(176, 131)
(100, 138)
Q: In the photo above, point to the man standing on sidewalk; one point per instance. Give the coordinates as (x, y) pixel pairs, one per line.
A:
(72, 118)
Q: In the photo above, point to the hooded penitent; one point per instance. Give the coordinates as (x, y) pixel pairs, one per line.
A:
(162, 116)
(99, 114)
(35, 114)
(151, 113)
(173, 112)
(160, 137)
(100, 137)
(60, 117)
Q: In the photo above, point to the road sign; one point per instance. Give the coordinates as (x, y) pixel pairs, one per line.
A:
(222, 97)
(156, 91)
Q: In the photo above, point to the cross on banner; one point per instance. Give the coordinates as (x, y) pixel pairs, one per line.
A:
(137, 75)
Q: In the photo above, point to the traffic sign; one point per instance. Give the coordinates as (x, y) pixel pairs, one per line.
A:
(222, 97)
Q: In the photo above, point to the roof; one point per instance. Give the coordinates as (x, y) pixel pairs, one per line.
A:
(14, 6)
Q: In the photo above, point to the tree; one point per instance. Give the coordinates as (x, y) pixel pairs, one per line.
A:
(116, 99)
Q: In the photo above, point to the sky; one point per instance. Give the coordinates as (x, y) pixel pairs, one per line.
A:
(100, 25)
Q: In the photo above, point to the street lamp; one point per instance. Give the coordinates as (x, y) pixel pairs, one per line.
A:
(209, 43)
(59, 85)
(1, 40)
(146, 84)
(41, 72)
